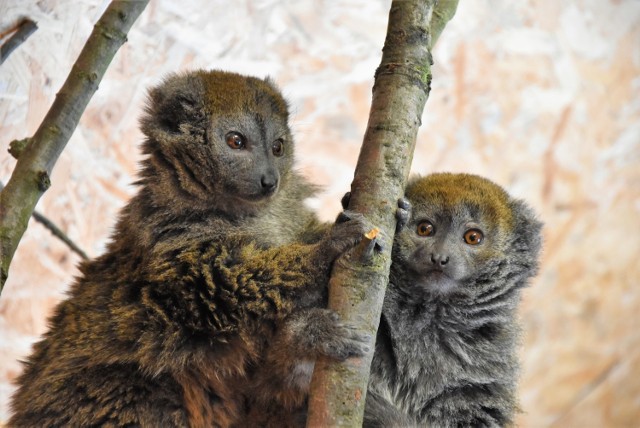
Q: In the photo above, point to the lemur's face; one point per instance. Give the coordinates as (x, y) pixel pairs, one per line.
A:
(252, 151)
(452, 235)
(441, 248)
(220, 140)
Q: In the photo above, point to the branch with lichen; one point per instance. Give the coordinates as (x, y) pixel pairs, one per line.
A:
(357, 286)
(36, 158)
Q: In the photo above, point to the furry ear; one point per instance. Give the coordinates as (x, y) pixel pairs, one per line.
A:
(527, 234)
(279, 105)
(173, 112)
(175, 106)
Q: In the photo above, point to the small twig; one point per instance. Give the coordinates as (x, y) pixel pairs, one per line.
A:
(58, 233)
(364, 250)
(10, 30)
(22, 32)
(55, 231)
(16, 147)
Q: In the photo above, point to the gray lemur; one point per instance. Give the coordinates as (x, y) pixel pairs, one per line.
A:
(214, 251)
(446, 347)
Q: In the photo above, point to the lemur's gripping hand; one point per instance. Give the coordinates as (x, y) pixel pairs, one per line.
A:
(403, 211)
(319, 332)
(345, 200)
(347, 231)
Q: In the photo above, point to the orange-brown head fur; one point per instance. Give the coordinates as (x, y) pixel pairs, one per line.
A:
(449, 191)
(221, 91)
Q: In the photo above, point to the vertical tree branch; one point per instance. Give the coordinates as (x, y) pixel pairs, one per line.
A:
(30, 178)
(401, 88)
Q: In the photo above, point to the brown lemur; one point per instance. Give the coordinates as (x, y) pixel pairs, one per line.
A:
(445, 353)
(214, 250)
(446, 349)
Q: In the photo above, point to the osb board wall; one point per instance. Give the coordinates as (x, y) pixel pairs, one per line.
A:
(541, 96)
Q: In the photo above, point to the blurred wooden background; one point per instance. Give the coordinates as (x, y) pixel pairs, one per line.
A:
(541, 96)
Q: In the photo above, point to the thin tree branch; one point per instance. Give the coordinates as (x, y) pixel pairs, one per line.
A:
(442, 13)
(356, 289)
(55, 231)
(30, 178)
(22, 33)
(58, 233)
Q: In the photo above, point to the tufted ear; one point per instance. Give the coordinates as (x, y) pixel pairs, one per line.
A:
(175, 106)
(274, 97)
(527, 235)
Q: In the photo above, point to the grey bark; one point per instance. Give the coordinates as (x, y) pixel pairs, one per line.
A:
(357, 286)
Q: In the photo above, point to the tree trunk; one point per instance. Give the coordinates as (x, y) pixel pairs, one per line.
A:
(358, 283)
(30, 178)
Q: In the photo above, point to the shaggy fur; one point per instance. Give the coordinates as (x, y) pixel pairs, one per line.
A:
(277, 392)
(214, 251)
(445, 352)
(446, 348)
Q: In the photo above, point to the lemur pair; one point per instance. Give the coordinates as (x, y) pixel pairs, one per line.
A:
(208, 307)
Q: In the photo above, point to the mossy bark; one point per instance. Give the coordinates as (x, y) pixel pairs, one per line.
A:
(357, 287)
(30, 178)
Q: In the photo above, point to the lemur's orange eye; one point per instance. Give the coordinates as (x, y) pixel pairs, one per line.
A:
(425, 228)
(473, 236)
(236, 140)
(278, 147)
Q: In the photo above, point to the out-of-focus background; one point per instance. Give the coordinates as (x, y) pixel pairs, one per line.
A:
(541, 96)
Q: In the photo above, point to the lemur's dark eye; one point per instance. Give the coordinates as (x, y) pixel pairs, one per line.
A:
(236, 140)
(425, 228)
(473, 236)
(278, 147)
